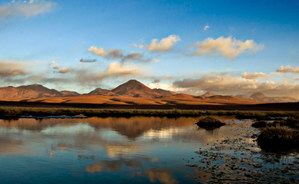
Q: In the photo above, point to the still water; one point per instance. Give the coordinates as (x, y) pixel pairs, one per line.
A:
(130, 150)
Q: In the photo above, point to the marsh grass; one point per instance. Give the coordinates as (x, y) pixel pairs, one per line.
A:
(289, 122)
(209, 123)
(278, 139)
(38, 112)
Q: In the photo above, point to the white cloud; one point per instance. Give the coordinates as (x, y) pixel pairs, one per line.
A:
(206, 27)
(97, 51)
(288, 69)
(164, 44)
(11, 69)
(119, 69)
(139, 46)
(229, 47)
(26, 8)
(57, 68)
(118, 54)
(235, 85)
(254, 75)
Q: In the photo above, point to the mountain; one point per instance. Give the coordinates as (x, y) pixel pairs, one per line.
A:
(262, 98)
(27, 92)
(69, 93)
(135, 88)
(208, 94)
(130, 92)
(99, 91)
(227, 99)
(163, 92)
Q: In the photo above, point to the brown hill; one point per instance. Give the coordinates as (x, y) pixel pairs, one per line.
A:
(163, 92)
(262, 98)
(222, 99)
(208, 94)
(26, 92)
(135, 88)
(131, 92)
(99, 91)
(69, 93)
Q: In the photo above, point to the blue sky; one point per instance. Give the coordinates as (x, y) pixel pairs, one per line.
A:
(38, 33)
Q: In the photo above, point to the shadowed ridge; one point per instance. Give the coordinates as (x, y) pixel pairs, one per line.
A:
(99, 91)
(69, 93)
(208, 94)
(134, 88)
(27, 92)
(260, 97)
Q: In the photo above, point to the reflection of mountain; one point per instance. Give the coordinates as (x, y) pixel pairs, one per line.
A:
(128, 93)
(115, 165)
(117, 136)
(160, 175)
(10, 146)
(131, 128)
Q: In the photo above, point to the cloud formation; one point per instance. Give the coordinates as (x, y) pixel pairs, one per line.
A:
(288, 69)
(97, 51)
(25, 8)
(59, 69)
(11, 69)
(90, 76)
(228, 47)
(87, 60)
(163, 45)
(118, 54)
(235, 85)
(253, 75)
(206, 27)
(119, 69)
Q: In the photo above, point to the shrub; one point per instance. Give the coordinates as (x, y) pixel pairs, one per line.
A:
(278, 139)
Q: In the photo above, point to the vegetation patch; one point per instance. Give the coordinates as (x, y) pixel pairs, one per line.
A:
(209, 123)
(278, 139)
(289, 122)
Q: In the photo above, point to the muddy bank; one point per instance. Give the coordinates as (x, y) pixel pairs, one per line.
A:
(238, 158)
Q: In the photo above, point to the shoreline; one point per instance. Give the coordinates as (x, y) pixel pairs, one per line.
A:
(16, 112)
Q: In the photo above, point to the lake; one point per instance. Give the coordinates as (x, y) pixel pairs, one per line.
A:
(137, 150)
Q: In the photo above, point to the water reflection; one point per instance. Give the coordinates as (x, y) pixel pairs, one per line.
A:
(142, 148)
(102, 150)
(163, 176)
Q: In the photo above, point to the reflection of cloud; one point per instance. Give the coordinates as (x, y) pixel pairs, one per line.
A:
(226, 46)
(94, 168)
(120, 150)
(10, 146)
(163, 45)
(161, 175)
(68, 130)
(114, 165)
(27, 9)
(163, 133)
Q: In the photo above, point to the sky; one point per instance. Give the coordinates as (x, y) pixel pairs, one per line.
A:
(227, 47)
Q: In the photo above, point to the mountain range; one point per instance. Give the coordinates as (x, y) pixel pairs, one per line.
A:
(130, 92)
